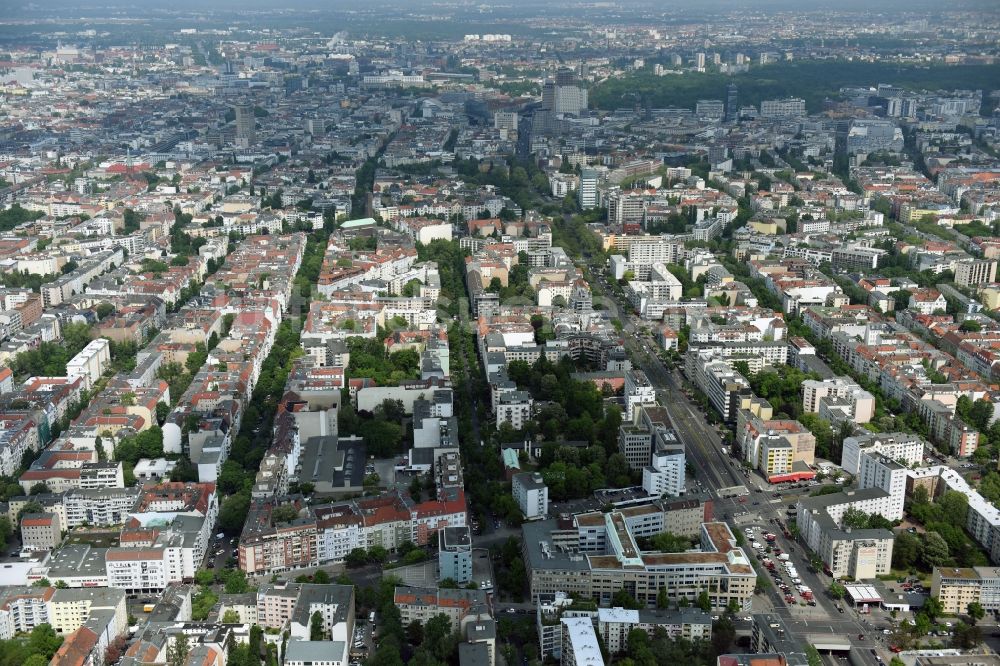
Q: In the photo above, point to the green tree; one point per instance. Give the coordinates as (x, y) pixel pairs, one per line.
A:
(356, 558)
(932, 608)
(230, 617)
(704, 602)
(976, 612)
(234, 512)
(623, 599)
(204, 577)
(6, 529)
(966, 636)
(44, 640)
(855, 518)
(177, 650)
(415, 633)
(316, 632)
(907, 551)
(935, 551)
(837, 591)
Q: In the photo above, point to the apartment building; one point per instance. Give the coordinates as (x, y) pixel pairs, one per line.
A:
(614, 624)
(90, 363)
(819, 395)
(580, 646)
(268, 545)
(284, 605)
(22, 609)
(901, 446)
(531, 494)
(514, 407)
(973, 272)
(982, 520)
(719, 382)
(40, 531)
(460, 606)
(782, 450)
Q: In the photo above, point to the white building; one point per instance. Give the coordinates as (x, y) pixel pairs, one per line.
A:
(90, 363)
(580, 646)
(859, 403)
(665, 473)
(514, 407)
(638, 391)
(531, 494)
(587, 192)
(900, 446)
(614, 624)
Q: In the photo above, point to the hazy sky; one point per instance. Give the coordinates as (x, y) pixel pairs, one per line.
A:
(143, 6)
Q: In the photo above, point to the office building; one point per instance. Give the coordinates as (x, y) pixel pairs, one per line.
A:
(732, 100)
(601, 557)
(455, 555)
(665, 474)
(873, 136)
(790, 107)
(638, 391)
(711, 110)
(956, 588)
(245, 125)
(587, 193)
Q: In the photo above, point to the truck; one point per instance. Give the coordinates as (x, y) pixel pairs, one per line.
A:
(770, 537)
(783, 557)
(148, 608)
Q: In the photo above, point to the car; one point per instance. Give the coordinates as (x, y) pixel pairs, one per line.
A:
(861, 637)
(895, 649)
(747, 618)
(511, 610)
(840, 608)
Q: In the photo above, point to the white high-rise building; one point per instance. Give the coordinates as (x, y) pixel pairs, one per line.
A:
(665, 473)
(587, 194)
(531, 494)
(638, 391)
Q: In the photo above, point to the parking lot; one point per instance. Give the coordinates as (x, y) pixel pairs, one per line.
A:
(782, 571)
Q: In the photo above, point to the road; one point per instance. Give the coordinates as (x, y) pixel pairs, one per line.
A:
(703, 443)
